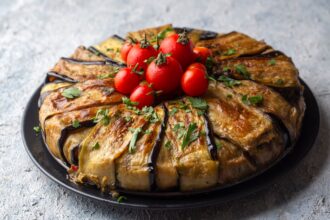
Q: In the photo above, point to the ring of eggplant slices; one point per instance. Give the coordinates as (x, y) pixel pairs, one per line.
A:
(112, 145)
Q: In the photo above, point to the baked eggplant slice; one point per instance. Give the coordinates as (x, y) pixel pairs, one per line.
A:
(135, 169)
(49, 88)
(243, 125)
(108, 143)
(234, 165)
(83, 54)
(110, 48)
(185, 132)
(84, 95)
(84, 70)
(63, 132)
(278, 72)
(151, 33)
(234, 44)
(271, 103)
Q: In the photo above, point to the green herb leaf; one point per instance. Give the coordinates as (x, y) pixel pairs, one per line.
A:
(96, 146)
(218, 144)
(198, 103)
(225, 69)
(128, 118)
(190, 135)
(168, 144)
(272, 62)
(132, 147)
(75, 124)
(173, 111)
(229, 52)
(102, 115)
(252, 100)
(128, 102)
(209, 63)
(279, 82)
(112, 74)
(229, 82)
(71, 93)
(150, 114)
(241, 69)
(120, 199)
(37, 129)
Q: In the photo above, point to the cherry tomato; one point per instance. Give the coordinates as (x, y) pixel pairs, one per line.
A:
(138, 54)
(164, 74)
(125, 50)
(126, 81)
(180, 48)
(197, 66)
(143, 95)
(194, 82)
(201, 54)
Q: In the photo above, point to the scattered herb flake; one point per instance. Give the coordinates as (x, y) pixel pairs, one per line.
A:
(252, 100)
(279, 82)
(225, 69)
(128, 118)
(229, 52)
(37, 129)
(128, 102)
(199, 104)
(75, 124)
(132, 147)
(229, 82)
(71, 93)
(241, 69)
(168, 144)
(218, 144)
(190, 135)
(102, 115)
(272, 62)
(209, 63)
(173, 111)
(150, 114)
(96, 146)
(120, 199)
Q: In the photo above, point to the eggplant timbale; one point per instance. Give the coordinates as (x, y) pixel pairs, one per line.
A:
(249, 117)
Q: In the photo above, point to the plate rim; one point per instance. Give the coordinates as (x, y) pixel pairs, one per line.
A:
(155, 206)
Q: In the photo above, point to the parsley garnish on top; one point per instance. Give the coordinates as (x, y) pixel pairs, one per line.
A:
(75, 124)
(96, 146)
(150, 114)
(190, 135)
(71, 93)
(252, 100)
(229, 82)
(37, 129)
(272, 62)
(199, 104)
(241, 69)
(229, 52)
(102, 115)
(136, 132)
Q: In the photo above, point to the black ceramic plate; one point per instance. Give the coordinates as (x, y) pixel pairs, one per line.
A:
(48, 165)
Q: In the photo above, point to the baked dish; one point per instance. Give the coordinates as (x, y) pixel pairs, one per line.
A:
(189, 135)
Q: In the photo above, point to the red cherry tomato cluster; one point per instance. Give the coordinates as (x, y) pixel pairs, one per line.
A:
(175, 65)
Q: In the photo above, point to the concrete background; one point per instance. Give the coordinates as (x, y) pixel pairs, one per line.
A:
(34, 34)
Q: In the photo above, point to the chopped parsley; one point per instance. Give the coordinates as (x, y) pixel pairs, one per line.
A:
(252, 100)
(209, 63)
(229, 52)
(241, 69)
(218, 144)
(102, 115)
(75, 124)
(225, 69)
(136, 132)
(37, 129)
(229, 82)
(199, 104)
(190, 135)
(71, 93)
(150, 114)
(120, 199)
(168, 144)
(112, 74)
(128, 118)
(173, 111)
(272, 62)
(128, 102)
(96, 146)
(279, 82)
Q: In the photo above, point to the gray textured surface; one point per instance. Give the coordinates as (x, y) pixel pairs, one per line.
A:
(34, 34)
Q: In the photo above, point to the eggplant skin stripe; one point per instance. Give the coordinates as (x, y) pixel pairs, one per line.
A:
(112, 146)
